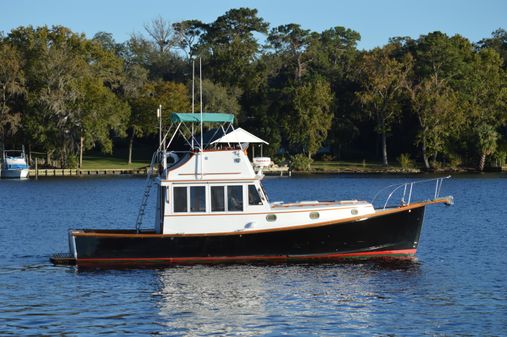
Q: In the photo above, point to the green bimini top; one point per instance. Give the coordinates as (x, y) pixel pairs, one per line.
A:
(207, 117)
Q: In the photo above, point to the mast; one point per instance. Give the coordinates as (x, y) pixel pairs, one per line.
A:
(159, 116)
(193, 98)
(200, 91)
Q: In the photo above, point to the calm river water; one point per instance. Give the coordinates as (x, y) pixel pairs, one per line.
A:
(458, 285)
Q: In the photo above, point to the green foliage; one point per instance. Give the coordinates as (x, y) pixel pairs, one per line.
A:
(435, 105)
(100, 113)
(405, 162)
(300, 162)
(500, 158)
(229, 46)
(12, 85)
(454, 161)
(328, 157)
(291, 41)
(382, 78)
(217, 98)
(438, 95)
(485, 101)
(307, 127)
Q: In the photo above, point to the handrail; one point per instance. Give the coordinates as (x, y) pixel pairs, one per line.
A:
(408, 188)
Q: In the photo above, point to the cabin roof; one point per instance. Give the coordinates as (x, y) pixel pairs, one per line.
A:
(207, 117)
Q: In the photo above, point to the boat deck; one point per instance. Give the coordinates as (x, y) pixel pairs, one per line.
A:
(315, 203)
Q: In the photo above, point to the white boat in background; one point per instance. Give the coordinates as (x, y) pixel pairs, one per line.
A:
(14, 164)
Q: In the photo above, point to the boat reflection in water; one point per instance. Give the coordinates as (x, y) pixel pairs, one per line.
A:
(202, 300)
(278, 299)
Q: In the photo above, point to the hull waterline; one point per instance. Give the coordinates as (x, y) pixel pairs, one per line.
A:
(15, 174)
(389, 234)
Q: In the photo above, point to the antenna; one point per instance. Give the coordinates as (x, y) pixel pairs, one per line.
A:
(193, 98)
(200, 91)
(159, 116)
(193, 85)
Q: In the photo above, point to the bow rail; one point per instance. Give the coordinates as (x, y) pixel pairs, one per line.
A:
(408, 190)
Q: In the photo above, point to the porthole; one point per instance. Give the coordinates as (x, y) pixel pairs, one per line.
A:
(271, 217)
(354, 211)
(314, 215)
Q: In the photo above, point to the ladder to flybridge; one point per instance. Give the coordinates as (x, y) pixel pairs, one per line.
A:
(146, 194)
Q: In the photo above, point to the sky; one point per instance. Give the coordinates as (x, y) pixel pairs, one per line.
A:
(376, 21)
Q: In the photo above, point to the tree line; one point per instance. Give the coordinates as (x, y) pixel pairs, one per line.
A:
(440, 99)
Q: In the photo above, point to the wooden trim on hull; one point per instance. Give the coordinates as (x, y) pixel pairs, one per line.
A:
(383, 254)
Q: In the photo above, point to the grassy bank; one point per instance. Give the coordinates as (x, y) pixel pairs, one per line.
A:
(110, 162)
(118, 160)
(357, 167)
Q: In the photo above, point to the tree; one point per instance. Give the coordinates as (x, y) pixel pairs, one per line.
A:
(161, 32)
(498, 42)
(230, 48)
(333, 55)
(187, 36)
(68, 78)
(12, 85)
(382, 80)
(156, 54)
(99, 112)
(143, 120)
(311, 119)
(107, 43)
(291, 41)
(217, 98)
(485, 95)
(58, 73)
(435, 105)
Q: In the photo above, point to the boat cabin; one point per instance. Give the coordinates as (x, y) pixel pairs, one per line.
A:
(215, 188)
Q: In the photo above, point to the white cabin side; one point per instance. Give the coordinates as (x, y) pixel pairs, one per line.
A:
(218, 191)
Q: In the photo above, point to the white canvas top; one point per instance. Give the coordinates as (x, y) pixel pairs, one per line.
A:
(239, 136)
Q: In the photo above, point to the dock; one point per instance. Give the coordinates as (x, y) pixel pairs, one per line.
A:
(56, 172)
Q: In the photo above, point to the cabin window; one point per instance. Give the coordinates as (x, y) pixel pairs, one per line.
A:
(197, 199)
(217, 198)
(180, 199)
(253, 196)
(235, 198)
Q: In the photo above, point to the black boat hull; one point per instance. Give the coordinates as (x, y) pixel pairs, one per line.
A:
(392, 233)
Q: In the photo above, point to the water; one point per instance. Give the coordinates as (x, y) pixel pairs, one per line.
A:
(457, 286)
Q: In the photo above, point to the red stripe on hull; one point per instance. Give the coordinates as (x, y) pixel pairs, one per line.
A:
(232, 259)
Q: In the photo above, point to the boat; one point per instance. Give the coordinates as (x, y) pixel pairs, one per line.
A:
(14, 164)
(211, 208)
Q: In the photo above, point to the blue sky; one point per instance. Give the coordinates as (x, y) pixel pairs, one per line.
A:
(377, 21)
